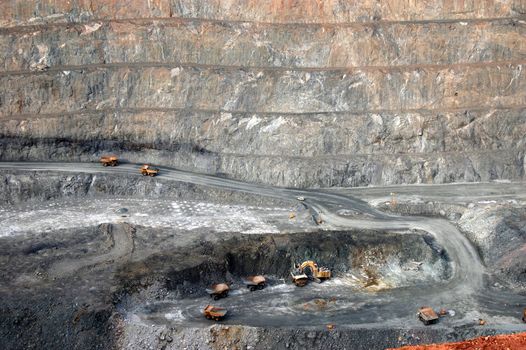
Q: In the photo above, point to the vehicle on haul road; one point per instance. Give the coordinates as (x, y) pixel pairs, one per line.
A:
(218, 291)
(427, 315)
(148, 170)
(214, 313)
(109, 160)
(254, 282)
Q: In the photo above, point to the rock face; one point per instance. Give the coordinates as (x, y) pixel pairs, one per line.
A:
(291, 93)
(500, 234)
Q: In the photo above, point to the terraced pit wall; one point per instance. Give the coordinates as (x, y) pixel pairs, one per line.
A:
(292, 93)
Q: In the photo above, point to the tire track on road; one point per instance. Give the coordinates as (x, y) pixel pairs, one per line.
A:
(121, 235)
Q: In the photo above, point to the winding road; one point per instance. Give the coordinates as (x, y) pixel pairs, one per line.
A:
(466, 290)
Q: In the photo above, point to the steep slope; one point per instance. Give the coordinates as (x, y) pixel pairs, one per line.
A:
(293, 93)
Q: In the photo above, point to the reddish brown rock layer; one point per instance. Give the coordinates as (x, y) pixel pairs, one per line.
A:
(500, 342)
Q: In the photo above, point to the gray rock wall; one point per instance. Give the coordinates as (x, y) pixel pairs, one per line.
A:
(289, 93)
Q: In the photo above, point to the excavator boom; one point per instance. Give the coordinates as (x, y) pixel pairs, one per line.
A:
(310, 270)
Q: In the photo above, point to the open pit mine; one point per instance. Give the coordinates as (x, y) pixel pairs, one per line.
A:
(281, 174)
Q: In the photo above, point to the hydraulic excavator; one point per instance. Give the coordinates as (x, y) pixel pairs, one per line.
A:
(309, 270)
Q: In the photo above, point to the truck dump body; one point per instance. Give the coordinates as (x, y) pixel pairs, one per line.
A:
(214, 313)
(148, 170)
(427, 315)
(299, 280)
(255, 282)
(218, 291)
(109, 160)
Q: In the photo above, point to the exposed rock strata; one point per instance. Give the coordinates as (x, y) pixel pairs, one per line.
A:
(287, 93)
(309, 11)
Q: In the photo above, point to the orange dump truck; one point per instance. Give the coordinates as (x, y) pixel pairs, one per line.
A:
(427, 315)
(218, 291)
(214, 313)
(148, 170)
(109, 160)
(254, 282)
